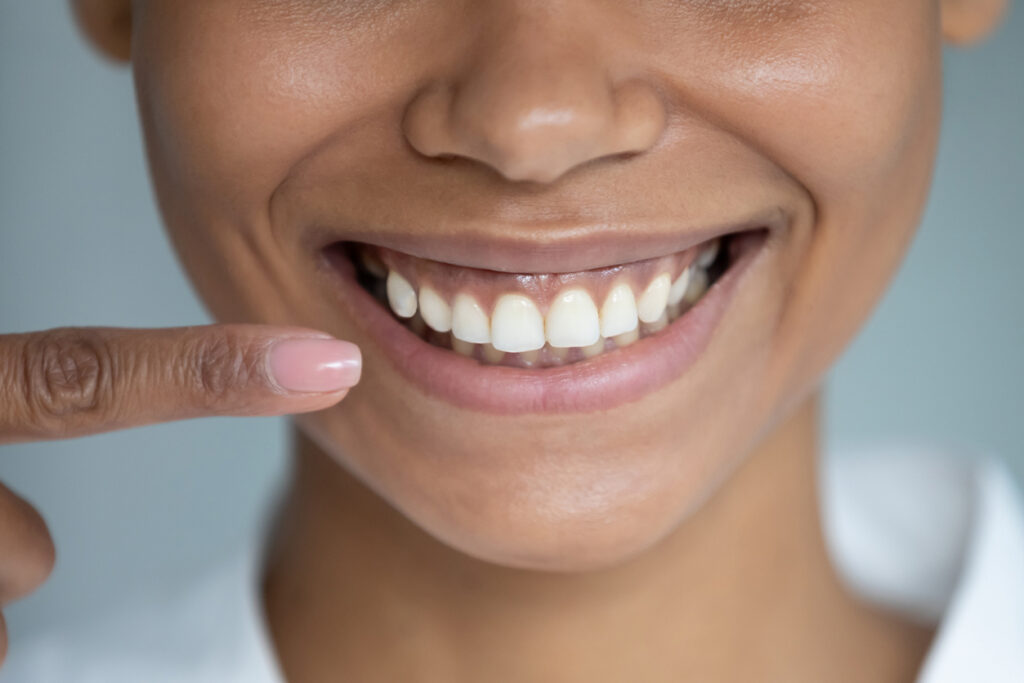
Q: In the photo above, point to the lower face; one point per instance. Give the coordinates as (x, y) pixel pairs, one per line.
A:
(557, 371)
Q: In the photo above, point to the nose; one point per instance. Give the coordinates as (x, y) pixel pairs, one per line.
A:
(535, 100)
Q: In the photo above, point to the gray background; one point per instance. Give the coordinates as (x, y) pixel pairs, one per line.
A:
(81, 244)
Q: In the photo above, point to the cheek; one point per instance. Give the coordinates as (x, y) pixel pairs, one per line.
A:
(229, 109)
(844, 103)
(854, 121)
(844, 99)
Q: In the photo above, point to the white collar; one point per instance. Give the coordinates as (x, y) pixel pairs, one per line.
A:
(941, 539)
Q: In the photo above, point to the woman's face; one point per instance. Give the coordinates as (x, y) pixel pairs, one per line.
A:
(547, 149)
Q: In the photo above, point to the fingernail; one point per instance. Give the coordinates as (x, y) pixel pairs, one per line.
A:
(314, 365)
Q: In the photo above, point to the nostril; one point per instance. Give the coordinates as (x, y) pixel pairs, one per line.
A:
(537, 122)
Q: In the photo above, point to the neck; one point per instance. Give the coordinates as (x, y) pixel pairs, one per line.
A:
(354, 590)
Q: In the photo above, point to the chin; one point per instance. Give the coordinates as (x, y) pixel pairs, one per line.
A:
(583, 549)
(605, 535)
(554, 511)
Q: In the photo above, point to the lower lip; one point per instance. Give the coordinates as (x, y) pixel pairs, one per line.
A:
(599, 383)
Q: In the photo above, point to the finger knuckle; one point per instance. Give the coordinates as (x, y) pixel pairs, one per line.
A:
(225, 365)
(68, 375)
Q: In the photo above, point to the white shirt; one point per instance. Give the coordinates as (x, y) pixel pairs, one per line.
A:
(938, 538)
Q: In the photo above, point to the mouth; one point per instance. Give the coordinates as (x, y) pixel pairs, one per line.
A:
(506, 342)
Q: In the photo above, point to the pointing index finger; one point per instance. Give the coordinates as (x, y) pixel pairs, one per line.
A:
(75, 381)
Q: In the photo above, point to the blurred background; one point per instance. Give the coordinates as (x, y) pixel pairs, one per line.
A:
(941, 362)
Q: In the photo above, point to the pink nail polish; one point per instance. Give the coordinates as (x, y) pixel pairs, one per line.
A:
(315, 365)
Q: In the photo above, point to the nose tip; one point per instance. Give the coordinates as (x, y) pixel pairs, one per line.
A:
(536, 125)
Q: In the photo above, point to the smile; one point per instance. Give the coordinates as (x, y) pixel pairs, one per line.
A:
(512, 343)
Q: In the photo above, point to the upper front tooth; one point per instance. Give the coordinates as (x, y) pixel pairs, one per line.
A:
(401, 295)
(469, 321)
(707, 256)
(618, 313)
(516, 324)
(572, 320)
(678, 290)
(435, 310)
(654, 299)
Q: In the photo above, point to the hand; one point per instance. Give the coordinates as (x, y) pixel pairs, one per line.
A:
(71, 382)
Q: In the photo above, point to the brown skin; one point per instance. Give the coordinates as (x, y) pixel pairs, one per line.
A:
(69, 382)
(630, 545)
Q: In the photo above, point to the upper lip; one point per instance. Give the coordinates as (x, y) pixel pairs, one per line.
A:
(549, 249)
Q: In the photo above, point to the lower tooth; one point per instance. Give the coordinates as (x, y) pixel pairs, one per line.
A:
(594, 349)
(657, 325)
(464, 348)
(627, 338)
(529, 357)
(493, 355)
(559, 354)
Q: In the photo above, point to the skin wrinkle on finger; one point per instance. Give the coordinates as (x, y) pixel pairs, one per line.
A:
(68, 379)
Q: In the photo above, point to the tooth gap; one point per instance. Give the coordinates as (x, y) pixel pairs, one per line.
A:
(722, 261)
(372, 283)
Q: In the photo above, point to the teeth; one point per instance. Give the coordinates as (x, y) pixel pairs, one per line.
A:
(435, 310)
(627, 338)
(516, 324)
(493, 355)
(463, 348)
(530, 358)
(657, 325)
(373, 264)
(618, 313)
(469, 321)
(698, 285)
(401, 295)
(654, 299)
(595, 349)
(561, 355)
(707, 256)
(678, 289)
(572, 320)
